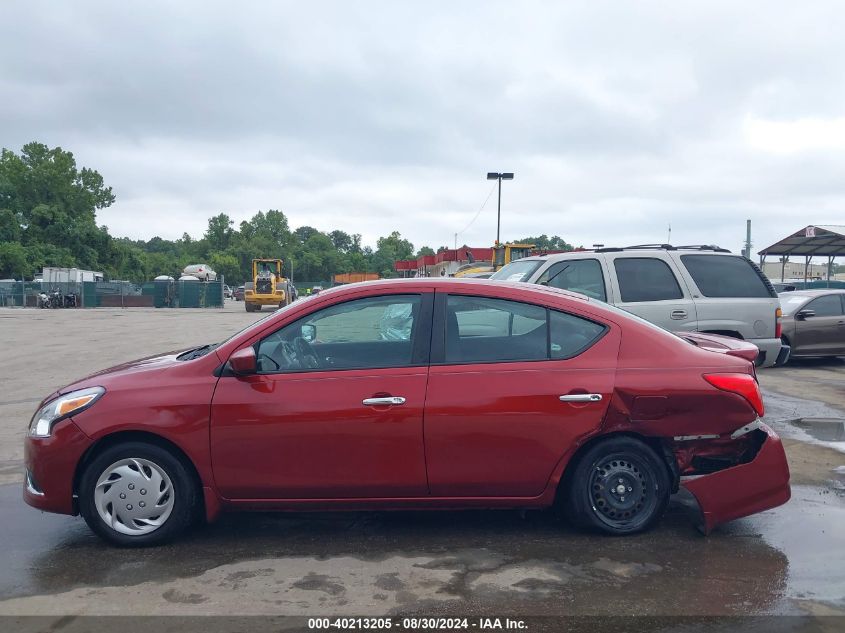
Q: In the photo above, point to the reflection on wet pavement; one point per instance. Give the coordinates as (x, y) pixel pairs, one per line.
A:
(825, 429)
(436, 562)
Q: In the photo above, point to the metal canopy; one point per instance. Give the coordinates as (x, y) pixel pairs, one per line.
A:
(811, 241)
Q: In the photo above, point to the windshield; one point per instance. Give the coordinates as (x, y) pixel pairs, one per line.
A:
(258, 324)
(790, 304)
(518, 271)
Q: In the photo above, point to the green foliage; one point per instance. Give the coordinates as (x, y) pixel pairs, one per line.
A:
(48, 218)
(546, 243)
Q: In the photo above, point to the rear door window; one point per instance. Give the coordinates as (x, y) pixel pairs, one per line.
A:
(646, 279)
(578, 275)
(494, 330)
(726, 276)
(485, 330)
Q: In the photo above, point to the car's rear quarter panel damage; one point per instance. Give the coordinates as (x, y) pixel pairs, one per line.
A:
(715, 447)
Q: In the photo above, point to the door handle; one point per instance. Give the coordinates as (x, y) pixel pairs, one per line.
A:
(581, 397)
(678, 314)
(386, 401)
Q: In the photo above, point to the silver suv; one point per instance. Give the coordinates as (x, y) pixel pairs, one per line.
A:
(683, 288)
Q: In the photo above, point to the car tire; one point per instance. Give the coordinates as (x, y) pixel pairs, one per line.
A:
(618, 486)
(151, 481)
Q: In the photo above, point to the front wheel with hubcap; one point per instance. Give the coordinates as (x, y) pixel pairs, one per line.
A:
(137, 494)
(618, 486)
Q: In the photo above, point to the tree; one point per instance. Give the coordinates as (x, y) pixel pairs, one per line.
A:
(425, 250)
(227, 265)
(342, 241)
(49, 208)
(546, 243)
(219, 233)
(304, 232)
(389, 249)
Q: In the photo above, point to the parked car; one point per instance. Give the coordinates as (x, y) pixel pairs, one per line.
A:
(684, 289)
(227, 292)
(238, 294)
(814, 322)
(202, 272)
(531, 397)
(315, 290)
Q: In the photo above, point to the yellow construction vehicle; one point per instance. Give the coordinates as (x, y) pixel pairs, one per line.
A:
(268, 286)
(506, 253)
(502, 254)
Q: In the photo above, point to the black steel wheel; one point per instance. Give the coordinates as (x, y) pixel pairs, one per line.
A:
(618, 486)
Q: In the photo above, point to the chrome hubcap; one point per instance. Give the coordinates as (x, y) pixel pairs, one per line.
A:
(134, 496)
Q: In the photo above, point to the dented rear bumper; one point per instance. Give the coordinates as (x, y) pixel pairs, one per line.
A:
(747, 488)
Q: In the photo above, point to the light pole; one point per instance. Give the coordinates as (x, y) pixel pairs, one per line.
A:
(492, 175)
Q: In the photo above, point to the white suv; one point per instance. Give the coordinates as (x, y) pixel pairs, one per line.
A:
(684, 288)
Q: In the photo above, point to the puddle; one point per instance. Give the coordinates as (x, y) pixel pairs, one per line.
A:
(808, 421)
(824, 429)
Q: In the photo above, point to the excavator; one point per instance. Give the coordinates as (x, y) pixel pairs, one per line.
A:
(268, 286)
(502, 254)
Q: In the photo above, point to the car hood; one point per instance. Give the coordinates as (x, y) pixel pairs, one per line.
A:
(157, 363)
(722, 344)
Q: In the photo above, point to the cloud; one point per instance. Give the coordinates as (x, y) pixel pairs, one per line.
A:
(800, 135)
(618, 119)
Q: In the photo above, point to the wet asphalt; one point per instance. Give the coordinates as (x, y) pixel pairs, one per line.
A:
(790, 560)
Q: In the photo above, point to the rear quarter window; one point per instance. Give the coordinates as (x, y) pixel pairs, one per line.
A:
(727, 276)
(570, 335)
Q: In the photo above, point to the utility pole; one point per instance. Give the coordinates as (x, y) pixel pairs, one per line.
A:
(747, 248)
(492, 175)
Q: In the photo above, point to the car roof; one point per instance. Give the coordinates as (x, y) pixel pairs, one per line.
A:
(813, 292)
(636, 251)
(459, 284)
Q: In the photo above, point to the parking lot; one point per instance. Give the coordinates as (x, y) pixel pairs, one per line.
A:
(790, 560)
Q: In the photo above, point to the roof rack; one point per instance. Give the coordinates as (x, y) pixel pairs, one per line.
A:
(664, 247)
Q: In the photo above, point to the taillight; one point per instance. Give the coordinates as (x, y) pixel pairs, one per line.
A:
(778, 324)
(740, 384)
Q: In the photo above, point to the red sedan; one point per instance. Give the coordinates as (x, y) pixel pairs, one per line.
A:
(423, 393)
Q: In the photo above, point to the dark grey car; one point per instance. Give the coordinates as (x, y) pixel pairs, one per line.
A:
(814, 322)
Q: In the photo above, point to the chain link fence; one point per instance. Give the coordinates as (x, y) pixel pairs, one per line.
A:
(112, 294)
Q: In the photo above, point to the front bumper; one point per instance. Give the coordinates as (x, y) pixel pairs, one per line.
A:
(50, 467)
(761, 484)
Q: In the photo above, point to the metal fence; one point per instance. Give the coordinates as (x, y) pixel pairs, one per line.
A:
(112, 294)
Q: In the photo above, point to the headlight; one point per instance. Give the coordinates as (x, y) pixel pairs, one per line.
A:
(62, 407)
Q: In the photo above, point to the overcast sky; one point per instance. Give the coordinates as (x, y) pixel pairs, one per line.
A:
(617, 118)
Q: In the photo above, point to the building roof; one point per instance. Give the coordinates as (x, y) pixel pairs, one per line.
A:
(825, 240)
(448, 255)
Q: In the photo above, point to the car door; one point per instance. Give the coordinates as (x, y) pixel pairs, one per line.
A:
(824, 331)
(335, 410)
(495, 423)
(650, 287)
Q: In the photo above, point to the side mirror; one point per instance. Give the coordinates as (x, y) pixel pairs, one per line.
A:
(243, 362)
(803, 315)
(308, 333)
